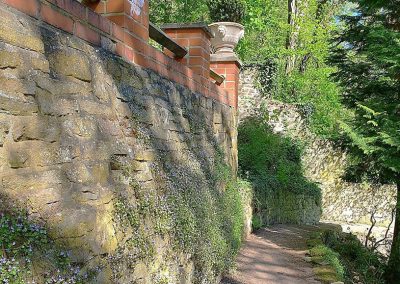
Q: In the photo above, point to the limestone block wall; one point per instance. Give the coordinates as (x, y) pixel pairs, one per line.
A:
(324, 163)
(82, 132)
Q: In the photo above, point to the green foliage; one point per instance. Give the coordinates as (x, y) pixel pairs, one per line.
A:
(273, 164)
(226, 10)
(277, 159)
(24, 247)
(178, 11)
(368, 61)
(317, 98)
(256, 222)
(329, 257)
(209, 224)
(265, 30)
(204, 220)
(19, 236)
(309, 84)
(354, 258)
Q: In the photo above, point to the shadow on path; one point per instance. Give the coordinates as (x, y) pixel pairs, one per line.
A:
(275, 255)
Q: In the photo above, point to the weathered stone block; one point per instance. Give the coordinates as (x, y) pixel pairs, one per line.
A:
(174, 97)
(3, 160)
(142, 176)
(39, 63)
(218, 128)
(5, 122)
(145, 115)
(63, 87)
(109, 127)
(27, 181)
(104, 239)
(72, 225)
(160, 133)
(93, 195)
(9, 59)
(35, 153)
(11, 86)
(45, 200)
(132, 79)
(55, 105)
(122, 109)
(102, 89)
(114, 67)
(80, 126)
(217, 117)
(145, 155)
(69, 62)
(139, 166)
(14, 33)
(36, 127)
(102, 150)
(94, 108)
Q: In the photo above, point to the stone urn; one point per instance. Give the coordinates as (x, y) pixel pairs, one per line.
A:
(226, 36)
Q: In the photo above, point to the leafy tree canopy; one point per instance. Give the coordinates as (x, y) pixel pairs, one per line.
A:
(368, 58)
(368, 61)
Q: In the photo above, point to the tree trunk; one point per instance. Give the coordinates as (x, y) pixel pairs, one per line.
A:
(291, 41)
(393, 270)
(303, 64)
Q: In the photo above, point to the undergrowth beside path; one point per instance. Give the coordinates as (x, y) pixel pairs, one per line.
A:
(341, 256)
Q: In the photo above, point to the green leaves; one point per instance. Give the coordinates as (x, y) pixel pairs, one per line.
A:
(267, 156)
(227, 10)
(178, 11)
(368, 61)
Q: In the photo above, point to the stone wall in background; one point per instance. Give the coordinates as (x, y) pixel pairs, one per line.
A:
(88, 140)
(275, 207)
(288, 208)
(324, 163)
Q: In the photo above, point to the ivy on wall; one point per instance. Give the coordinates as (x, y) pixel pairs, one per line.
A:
(272, 164)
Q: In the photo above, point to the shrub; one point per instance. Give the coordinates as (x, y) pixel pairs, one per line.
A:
(256, 223)
(273, 164)
(329, 257)
(352, 255)
(227, 10)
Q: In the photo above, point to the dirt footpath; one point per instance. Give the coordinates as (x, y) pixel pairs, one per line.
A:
(274, 255)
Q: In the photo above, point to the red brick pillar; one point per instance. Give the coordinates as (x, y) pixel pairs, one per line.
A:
(229, 67)
(196, 39)
(131, 15)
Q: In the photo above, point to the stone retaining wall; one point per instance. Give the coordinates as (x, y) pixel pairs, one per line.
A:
(82, 132)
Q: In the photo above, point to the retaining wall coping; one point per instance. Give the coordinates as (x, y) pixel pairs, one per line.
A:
(226, 58)
(188, 26)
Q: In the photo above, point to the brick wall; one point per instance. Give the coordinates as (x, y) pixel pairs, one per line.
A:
(109, 24)
(230, 70)
(196, 39)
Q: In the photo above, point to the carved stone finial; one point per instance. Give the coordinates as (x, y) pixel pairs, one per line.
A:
(226, 37)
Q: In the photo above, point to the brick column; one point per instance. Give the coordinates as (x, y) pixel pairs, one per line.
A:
(229, 67)
(131, 15)
(196, 39)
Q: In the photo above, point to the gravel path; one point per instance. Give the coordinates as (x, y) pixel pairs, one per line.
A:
(274, 255)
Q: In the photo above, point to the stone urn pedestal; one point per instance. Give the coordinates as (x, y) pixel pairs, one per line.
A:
(226, 37)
